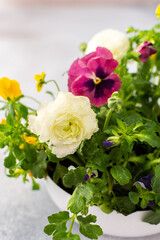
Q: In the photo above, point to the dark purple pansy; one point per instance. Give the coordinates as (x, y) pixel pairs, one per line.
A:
(86, 178)
(146, 180)
(92, 76)
(146, 49)
(107, 143)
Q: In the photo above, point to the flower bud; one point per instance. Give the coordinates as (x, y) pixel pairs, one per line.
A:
(146, 49)
(83, 47)
(115, 103)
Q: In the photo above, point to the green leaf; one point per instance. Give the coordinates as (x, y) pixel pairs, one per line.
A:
(76, 203)
(106, 208)
(74, 177)
(125, 205)
(39, 166)
(89, 230)
(134, 197)
(22, 109)
(150, 137)
(5, 128)
(144, 203)
(35, 185)
(99, 161)
(65, 236)
(152, 218)
(49, 229)
(116, 154)
(52, 157)
(60, 171)
(57, 225)
(81, 197)
(59, 217)
(9, 161)
(121, 174)
(30, 153)
(19, 153)
(130, 117)
(88, 219)
(156, 180)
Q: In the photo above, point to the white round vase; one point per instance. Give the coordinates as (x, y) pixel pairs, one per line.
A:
(114, 224)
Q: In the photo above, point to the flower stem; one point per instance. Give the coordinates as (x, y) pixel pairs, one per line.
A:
(55, 84)
(72, 222)
(32, 99)
(153, 162)
(107, 119)
(75, 160)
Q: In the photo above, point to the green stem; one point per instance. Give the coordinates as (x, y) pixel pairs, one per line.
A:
(32, 113)
(54, 83)
(153, 162)
(72, 222)
(32, 99)
(75, 160)
(107, 119)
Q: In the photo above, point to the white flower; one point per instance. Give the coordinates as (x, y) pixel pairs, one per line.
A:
(112, 39)
(64, 123)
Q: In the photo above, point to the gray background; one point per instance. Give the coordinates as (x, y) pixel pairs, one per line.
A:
(36, 39)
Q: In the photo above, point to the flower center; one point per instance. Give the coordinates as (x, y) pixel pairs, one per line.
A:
(97, 80)
(66, 128)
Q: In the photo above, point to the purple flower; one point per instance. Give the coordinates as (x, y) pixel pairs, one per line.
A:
(146, 49)
(86, 178)
(92, 76)
(146, 180)
(107, 144)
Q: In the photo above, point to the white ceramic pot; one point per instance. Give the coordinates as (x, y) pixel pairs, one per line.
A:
(114, 224)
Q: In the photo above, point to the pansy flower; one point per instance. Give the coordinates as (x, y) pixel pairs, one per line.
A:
(108, 143)
(40, 78)
(146, 49)
(92, 76)
(9, 88)
(158, 11)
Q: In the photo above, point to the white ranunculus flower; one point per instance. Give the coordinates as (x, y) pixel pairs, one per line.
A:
(64, 123)
(112, 39)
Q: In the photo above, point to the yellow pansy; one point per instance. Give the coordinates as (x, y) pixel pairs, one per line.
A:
(28, 139)
(9, 88)
(18, 172)
(158, 11)
(40, 81)
(3, 121)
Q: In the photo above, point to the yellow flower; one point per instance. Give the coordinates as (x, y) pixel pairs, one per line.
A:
(28, 139)
(153, 57)
(3, 121)
(9, 88)
(158, 11)
(40, 81)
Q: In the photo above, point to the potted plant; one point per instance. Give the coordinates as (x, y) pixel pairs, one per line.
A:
(100, 142)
